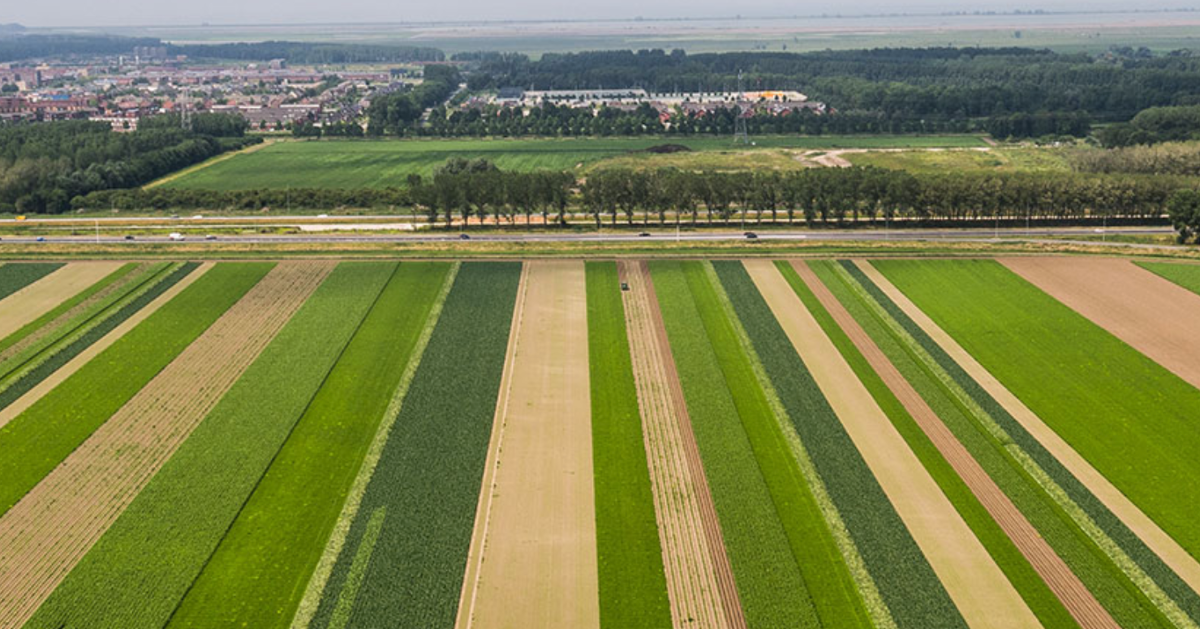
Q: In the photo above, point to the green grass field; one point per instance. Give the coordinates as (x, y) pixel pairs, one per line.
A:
(999, 159)
(387, 163)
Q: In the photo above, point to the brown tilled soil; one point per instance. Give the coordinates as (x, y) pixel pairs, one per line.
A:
(1084, 607)
(700, 583)
(1154, 315)
(45, 534)
(62, 319)
(40, 297)
(22, 403)
(538, 566)
(974, 582)
(1154, 537)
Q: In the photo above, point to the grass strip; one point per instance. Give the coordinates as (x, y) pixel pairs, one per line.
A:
(37, 440)
(258, 573)
(66, 306)
(1028, 583)
(431, 469)
(141, 567)
(1185, 275)
(910, 589)
(633, 585)
(770, 585)
(15, 276)
(1128, 416)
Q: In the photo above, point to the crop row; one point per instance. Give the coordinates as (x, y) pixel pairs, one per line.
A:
(257, 575)
(1008, 557)
(908, 586)
(14, 277)
(47, 359)
(769, 581)
(38, 439)
(632, 581)
(427, 481)
(1085, 384)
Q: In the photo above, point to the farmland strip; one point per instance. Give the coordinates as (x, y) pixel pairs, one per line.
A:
(40, 297)
(770, 585)
(16, 276)
(978, 587)
(633, 588)
(258, 573)
(53, 526)
(1144, 552)
(1154, 316)
(430, 471)
(1185, 275)
(1084, 607)
(136, 573)
(538, 561)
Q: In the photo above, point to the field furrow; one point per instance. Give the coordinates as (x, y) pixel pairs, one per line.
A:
(38, 298)
(974, 582)
(53, 526)
(538, 562)
(1084, 607)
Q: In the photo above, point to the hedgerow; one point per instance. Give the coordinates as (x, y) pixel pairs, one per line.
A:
(632, 581)
(38, 439)
(771, 588)
(908, 585)
(429, 475)
(141, 567)
(257, 576)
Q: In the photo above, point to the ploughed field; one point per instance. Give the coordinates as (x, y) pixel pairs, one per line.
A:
(339, 163)
(610, 444)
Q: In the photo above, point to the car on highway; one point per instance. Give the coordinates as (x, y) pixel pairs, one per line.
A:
(176, 236)
(464, 236)
(210, 237)
(751, 236)
(643, 234)
(41, 239)
(128, 236)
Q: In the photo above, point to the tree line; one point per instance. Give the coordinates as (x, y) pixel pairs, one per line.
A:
(399, 113)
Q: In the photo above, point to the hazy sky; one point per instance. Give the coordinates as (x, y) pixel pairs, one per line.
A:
(175, 12)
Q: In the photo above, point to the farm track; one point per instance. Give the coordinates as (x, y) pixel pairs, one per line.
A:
(63, 319)
(45, 534)
(699, 576)
(29, 303)
(977, 586)
(1152, 314)
(1084, 607)
(1156, 539)
(21, 404)
(538, 562)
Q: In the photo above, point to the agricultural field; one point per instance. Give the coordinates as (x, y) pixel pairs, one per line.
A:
(388, 163)
(727, 444)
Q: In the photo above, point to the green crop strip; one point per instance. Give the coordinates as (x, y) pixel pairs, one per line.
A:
(1185, 275)
(358, 569)
(67, 305)
(770, 585)
(431, 469)
(633, 586)
(910, 589)
(1078, 378)
(258, 573)
(1033, 590)
(137, 572)
(40, 366)
(14, 277)
(37, 440)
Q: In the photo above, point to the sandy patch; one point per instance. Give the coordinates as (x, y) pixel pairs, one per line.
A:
(40, 297)
(538, 565)
(974, 582)
(1154, 537)
(700, 584)
(1084, 607)
(45, 534)
(1154, 315)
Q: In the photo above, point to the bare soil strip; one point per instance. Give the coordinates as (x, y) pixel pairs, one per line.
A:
(40, 297)
(1130, 515)
(1084, 607)
(974, 582)
(45, 534)
(22, 403)
(693, 588)
(1152, 314)
(538, 566)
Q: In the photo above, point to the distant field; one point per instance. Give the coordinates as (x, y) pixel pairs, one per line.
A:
(1004, 159)
(384, 163)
